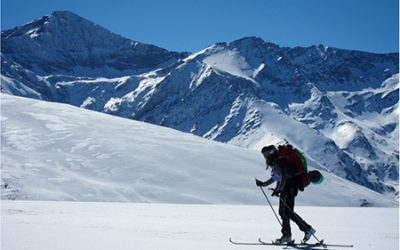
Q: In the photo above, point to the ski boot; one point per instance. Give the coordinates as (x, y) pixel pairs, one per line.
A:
(285, 239)
(308, 234)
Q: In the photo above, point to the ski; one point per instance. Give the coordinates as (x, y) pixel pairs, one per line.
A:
(293, 243)
(272, 243)
(318, 244)
(245, 243)
(262, 243)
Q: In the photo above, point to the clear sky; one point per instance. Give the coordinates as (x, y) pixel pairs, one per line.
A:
(192, 25)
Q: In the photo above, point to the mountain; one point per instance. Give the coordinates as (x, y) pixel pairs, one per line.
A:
(338, 106)
(53, 151)
(64, 43)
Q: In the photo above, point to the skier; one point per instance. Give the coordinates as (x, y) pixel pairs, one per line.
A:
(287, 187)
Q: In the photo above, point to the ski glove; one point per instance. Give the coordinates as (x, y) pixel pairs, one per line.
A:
(259, 183)
(276, 192)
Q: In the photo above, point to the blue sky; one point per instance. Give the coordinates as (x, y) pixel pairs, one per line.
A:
(192, 25)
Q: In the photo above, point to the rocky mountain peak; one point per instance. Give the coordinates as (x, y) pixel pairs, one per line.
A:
(64, 42)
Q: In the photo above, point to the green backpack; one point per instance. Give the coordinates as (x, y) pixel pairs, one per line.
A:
(313, 176)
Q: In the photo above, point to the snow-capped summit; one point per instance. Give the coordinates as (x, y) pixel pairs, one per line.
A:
(338, 106)
(64, 42)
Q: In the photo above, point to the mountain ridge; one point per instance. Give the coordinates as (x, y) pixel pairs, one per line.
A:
(64, 40)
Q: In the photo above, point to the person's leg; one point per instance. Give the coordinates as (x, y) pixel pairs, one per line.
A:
(284, 213)
(302, 224)
(290, 200)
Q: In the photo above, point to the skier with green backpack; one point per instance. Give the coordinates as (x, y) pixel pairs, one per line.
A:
(289, 170)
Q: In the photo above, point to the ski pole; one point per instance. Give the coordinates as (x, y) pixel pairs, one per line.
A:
(273, 210)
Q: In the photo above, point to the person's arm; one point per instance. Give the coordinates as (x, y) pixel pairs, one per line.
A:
(264, 183)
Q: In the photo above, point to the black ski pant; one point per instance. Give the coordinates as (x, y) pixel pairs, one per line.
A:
(286, 211)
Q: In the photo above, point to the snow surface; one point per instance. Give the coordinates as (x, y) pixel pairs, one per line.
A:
(39, 225)
(61, 153)
(232, 62)
(53, 151)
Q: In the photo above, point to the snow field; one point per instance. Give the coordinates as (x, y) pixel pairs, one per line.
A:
(45, 225)
(61, 153)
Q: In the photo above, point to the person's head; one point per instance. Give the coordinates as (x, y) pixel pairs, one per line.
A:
(269, 153)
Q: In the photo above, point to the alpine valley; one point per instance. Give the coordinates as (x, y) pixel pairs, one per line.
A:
(340, 107)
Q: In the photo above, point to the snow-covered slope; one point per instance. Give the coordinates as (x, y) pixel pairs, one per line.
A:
(56, 151)
(339, 106)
